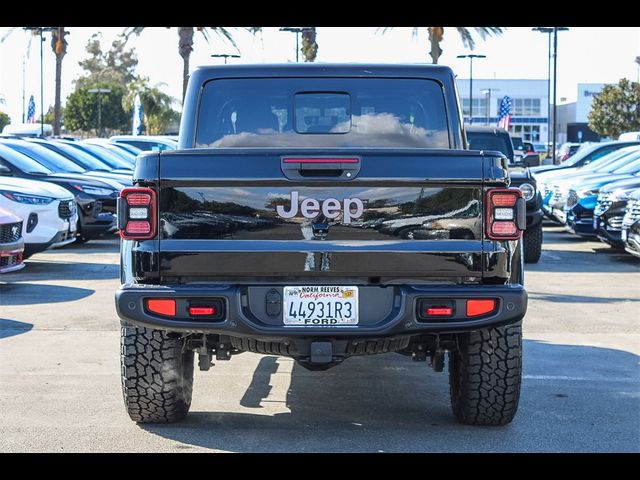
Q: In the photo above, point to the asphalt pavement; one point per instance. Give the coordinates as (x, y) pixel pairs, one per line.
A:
(60, 385)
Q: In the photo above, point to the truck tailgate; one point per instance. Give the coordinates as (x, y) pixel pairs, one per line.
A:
(363, 216)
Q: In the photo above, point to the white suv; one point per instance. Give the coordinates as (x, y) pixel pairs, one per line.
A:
(48, 212)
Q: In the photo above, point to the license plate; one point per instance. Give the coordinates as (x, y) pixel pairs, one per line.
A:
(595, 223)
(320, 305)
(623, 235)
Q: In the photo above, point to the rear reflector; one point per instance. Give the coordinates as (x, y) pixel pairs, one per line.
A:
(439, 311)
(480, 307)
(202, 311)
(162, 306)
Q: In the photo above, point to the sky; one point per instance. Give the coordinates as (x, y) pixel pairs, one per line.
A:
(585, 55)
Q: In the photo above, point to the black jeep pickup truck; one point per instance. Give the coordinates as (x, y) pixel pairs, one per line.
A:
(321, 212)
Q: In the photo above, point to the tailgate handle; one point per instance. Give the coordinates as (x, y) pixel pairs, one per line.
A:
(322, 168)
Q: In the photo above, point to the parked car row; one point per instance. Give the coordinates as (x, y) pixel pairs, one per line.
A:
(54, 192)
(596, 193)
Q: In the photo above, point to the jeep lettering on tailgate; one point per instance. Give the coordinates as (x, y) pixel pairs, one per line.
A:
(310, 208)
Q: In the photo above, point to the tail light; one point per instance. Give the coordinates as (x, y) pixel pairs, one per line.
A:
(162, 306)
(137, 213)
(480, 307)
(506, 214)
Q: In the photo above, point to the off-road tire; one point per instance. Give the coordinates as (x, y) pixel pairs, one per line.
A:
(485, 373)
(533, 244)
(157, 375)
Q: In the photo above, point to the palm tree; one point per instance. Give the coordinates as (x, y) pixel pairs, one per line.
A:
(436, 34)
(59, 46)
(185, 44)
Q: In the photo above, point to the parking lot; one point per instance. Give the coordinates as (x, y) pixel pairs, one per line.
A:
(60, 385)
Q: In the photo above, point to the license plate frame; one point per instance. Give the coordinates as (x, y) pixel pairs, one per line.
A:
(333, 306)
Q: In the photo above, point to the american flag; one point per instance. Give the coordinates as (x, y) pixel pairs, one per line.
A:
(505, 117)
(31, 111)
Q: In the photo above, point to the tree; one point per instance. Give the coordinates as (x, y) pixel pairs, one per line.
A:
(117, 65)
(309, 44)
(436, 35)
(81, 110)
(616, 109)
(59, 46)
(157, 106)
(49, 117)
(4, 120)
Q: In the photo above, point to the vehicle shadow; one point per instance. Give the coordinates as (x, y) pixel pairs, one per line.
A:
(569, 261)
(59, 270)
(10, 328)
(105, 244)
(35, 293)
(554, 297)
(389, 403)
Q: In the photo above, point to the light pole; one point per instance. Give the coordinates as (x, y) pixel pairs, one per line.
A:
(555, 85)
(471, 57)
(297, 31)
(638, 76)
(225, 56)
(99, 91)
(547, 30)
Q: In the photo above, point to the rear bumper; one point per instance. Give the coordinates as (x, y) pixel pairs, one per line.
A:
(398, 315)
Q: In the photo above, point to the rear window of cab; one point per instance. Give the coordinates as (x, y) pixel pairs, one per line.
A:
(322, 112)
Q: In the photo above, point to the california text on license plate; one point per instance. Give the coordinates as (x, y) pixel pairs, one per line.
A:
(320, 305)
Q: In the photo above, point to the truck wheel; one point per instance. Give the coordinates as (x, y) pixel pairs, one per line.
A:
(485, 372)
(157, 375)
(533, 244)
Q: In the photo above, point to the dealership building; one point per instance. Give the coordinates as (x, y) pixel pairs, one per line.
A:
(529, 108)
(529, 105)
(573, 117)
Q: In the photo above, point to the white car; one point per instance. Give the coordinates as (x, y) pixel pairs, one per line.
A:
(146, 142)
(48, 212)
